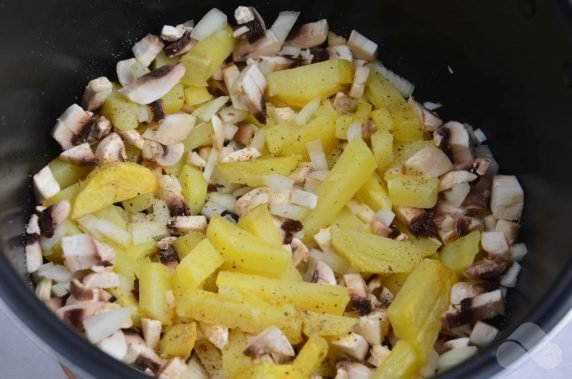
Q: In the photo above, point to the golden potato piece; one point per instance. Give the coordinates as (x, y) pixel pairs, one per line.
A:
(110, 184)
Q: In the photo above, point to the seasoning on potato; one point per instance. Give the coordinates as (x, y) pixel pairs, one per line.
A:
(270, 201)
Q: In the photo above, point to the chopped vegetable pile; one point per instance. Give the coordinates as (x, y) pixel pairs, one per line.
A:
(254, 202)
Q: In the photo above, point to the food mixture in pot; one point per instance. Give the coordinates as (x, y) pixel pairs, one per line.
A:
(269, 201)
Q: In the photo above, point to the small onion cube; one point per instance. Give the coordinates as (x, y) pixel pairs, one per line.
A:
(291, 211)
(317, 155)
(278, 182)
(103, 325)
(212, 22)
(304, 199)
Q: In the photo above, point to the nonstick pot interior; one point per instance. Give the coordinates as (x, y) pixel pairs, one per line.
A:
(502, 66)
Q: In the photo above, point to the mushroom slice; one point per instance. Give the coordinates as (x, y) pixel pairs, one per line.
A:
(81, 252)
(242, 155)
(172, 33)
(377, 355)
(490, 268)
(256, 26)
(70, 124)
(170, 154)
(494, 243)
(80, 155)
(154, 85)
(477, 201)
(352, 370)
(114, 345)
(430, 121)
(266, 46)
(176, 368)
(300, 252)
(185, 224)
(52, 217)
(351, 344)
(102, 325)
(124, 71)
(103, 279)
(247, 92)
(420, 221)
(483, 334)
(465, 290)
(362, 47)
(175, 128)
(309, 35)
(171, 193)
(147, 49)
(151, 331)
(507, 198)
(487, 305)
(156, 111)
(453, 178)
(216, 334)
(111, 149)
(132, 137)
(509, 278)
(482, 165)
(140, 355)
(45, 184)
(344, 103)
(229, 74)
(340, 52)
(453, 137)
(270, 341)
(180, 46)
(430, 161)
(251, 200)
(96, 92)
(323, 274)
(357, 289)
(34, 258)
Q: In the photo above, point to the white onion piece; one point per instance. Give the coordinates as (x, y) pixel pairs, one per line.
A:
(211, 163)
(317, 156)
(143, 232)
(431, 106)
(57, 273)
(223, 199)
(354, 131)
(229, 131)
(218, 128)
(211, 22)
(103, 325)
(385, 216)
(100, 228)
(319, 175)
(454, 357)
(509, 278)
(304, 199)
(284, 24)
(61, 289)
(206, 111)
(336, 262)
(404, 86)
(456, 195)
(114, 345)
(278, 182)
(307, 112)
(291, 211)
(258, 140)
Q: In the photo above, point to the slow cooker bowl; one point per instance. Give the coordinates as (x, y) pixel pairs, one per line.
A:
(502, 66)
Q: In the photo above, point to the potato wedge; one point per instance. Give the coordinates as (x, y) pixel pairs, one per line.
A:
(185, 244)
(303, 295)
(374, 194)
(298, 86)
(110, 184)
(350, 173)
(196, 267)
(242, 249)
(311, 356)
(413, 191)
(194, 187)
(375, 254)
(271, 371)
(326, 325)
(415, 313)
(461, 253)
(258, 221)
(252, 173)
(401, 363)
(174, 100)
(178, 341)
(67, 173)
(154, 288)
(234, 362)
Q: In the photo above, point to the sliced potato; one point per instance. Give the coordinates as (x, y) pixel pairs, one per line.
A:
(196, 267)
(252, 173)
(413, 191)
(399, 364)
(154, 291)
(178, 341)
(311, 356)
(258, 221)
(326, 324)
(112, 183)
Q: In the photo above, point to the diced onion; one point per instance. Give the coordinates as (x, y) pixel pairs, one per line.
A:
(211, 163)
(143, 232)
(320, 175)
(206, 111)
(284, 24)
(57, 273)
(218, 128)
(279, 182)
(291, 211)
(307, 112)
(323, 238)
(61, 289)
(229, 131)
(337, 263)
(103, 325)
(431, 106)
(404, 86)
(385, 216)
(212, 22)
(258, 140)
(304, 199)
(317, 155)
(223, 199)
(354, 131)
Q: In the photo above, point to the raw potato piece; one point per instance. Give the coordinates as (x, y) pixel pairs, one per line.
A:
(461, 253)
(413, 191)
(401, 363)
(242, 249)
(349, 174)
(252, 173)
(303, 295)
(194, 188)
(258, 221)
(415, 313)
(154, 288)
(271, 371)
(326, 324)
(234, 362)
(298, 86)
(311, 355)
(111, 184)
(374, 254)
(196, 267)
(185, 244)
(178, 341)
(123, 114)
(233, 313)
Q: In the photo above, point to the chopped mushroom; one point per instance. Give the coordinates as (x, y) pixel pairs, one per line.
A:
(114, 345)
(351, 344)
(71, 124)
(96, 92)
(300, 252)
(369, 327)
(358, 293)
(507, 198)
(490, 268)
(430, 161)
(509, 229)
(465, 290)
(309, 35)
(216, 334)
(271, 341)
(45, 184)
(154, 85)
(361, 74)
(323, 274)
(172, 33)
(453, 137)
(377, 355)
(80, 155)
(483, 334)
(362, 47)
(509, 278)
(101, 280)
(124, 71)
(453, 178)
(457, 343)
(34, 256)
(170, 192)
(494, 243)
(184, 224)
(147, 49)
(111, 149)
(174, 128)
(251, 200)
(52, 217)
(268, 45)
(176, 368)
(341, 52)
(180, 46)
(354, 370)
(247, 92)
(430, 121)
(242, 155)
(81, 252)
